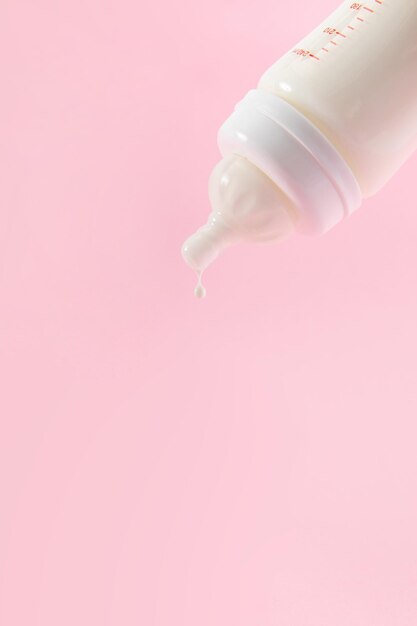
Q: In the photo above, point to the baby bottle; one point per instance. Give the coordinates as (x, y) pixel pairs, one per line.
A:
(327, 126)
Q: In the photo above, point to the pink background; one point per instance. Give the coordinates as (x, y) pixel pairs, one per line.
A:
(245, 460)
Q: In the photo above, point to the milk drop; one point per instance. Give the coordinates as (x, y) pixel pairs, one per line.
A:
(199, 291)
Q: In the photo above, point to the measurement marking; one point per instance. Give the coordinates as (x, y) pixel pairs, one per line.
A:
(341, 34)
(305, 53)
(360, 19)
(325, 49)
(351, 27)
(379, 1)
(333, 42)
(368, 9)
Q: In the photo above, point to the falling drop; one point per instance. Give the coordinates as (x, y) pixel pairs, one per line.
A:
(199, 291)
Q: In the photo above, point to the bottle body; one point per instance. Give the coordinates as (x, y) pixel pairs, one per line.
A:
(355, 78)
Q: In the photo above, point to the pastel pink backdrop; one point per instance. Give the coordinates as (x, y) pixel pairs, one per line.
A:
(245, 460)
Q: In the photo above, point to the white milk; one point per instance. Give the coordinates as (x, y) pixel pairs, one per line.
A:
(329, 124)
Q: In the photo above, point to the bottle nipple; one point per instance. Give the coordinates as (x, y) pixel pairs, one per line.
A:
(247, 205)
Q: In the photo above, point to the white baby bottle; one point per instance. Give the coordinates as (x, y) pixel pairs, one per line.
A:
(328, 125)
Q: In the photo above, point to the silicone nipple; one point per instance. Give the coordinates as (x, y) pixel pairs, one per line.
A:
(247, 205)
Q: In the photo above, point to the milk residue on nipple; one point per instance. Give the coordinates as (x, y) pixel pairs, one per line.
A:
(200, 250)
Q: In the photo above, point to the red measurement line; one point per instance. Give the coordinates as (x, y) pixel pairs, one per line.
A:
(341, 34)
(368, 9)
(379, 1)
(325, 49)
(333, 42)
(351, 27)
(314, 56)
(360, 19)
